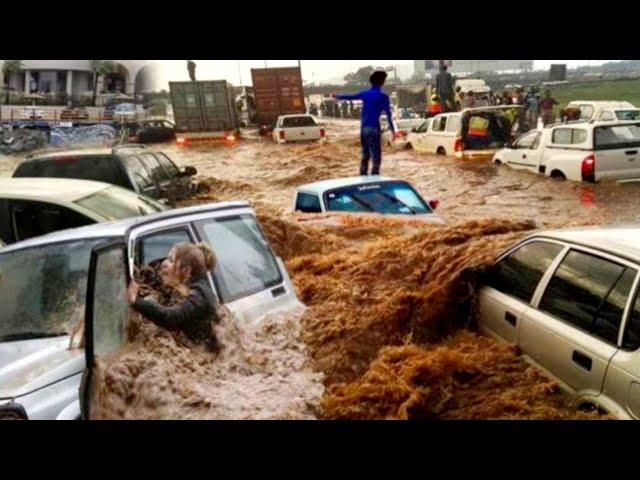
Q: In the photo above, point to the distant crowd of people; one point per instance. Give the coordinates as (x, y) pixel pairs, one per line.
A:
(331, 108)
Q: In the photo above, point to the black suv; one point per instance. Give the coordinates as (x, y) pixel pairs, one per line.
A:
(130, 166)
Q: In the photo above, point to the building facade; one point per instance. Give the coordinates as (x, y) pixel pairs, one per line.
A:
(75, 79)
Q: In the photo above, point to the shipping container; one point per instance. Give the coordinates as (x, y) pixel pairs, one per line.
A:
(204, 108)
(278, 91)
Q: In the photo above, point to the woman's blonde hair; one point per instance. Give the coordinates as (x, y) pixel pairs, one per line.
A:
(199, 257)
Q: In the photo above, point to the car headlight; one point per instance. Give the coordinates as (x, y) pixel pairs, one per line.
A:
(13, 411)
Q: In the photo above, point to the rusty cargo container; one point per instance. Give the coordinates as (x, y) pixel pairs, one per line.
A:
(278, 91)
(203, 109)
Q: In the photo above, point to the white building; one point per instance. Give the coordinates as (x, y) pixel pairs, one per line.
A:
(74, 77)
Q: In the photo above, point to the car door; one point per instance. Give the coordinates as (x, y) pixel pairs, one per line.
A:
(437, 133)
(622, 381)
(573, 327)
(526, 152)
(418, 138)
(510, 285)
(106, 317)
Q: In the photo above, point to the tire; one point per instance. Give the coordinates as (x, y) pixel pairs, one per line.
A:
(558, 175)
(408, 146)
(497, 161)
(441, 151)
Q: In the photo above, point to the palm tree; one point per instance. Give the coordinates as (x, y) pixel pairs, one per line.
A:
(99, 68)
(9, 67)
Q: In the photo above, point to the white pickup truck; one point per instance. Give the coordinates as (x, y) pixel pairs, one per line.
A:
(297, 128)
(580, 151)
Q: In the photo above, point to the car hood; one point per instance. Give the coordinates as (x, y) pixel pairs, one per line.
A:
(29, 365)
(335, 218)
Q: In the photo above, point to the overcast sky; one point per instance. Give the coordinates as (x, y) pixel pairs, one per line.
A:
(318, 70)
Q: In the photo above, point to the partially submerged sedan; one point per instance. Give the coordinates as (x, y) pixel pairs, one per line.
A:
(52, 284)
(569, 299)
(365, 195)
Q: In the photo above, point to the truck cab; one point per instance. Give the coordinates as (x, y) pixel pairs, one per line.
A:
(75, 280)
(579, 151)
(610, 111)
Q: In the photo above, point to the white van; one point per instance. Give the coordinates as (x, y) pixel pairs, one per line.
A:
(448, 132)
(580, 151)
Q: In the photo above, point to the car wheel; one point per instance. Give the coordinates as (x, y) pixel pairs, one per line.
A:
(408, 146)
(441, 151)
(558, 175)
(497, 161)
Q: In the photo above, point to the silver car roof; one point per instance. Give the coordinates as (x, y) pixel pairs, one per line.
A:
(119, 228)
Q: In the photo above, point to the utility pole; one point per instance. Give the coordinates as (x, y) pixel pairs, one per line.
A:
(239, 73)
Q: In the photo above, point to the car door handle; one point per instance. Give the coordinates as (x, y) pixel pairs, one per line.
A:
(510, 317)
(631, 152)
(524, 155)
(582, 360)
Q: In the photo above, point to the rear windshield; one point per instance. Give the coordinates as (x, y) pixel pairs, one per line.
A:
(100, 168)
(168, 164)
(383, 197)
(298, 122)
(616, 136)
(628, 114)
(113, 203)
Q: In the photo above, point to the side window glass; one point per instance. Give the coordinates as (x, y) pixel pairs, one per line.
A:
(453, 124)
(156, 246)
(168, 164)
(138, 171)
(519, 273)
(308, 203)
(152, 163)
(562, 136)
(32, 219)
(589, 292)
(110, 307)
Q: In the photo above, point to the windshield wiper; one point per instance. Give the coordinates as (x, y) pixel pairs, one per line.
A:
(30, 335)
(362, 202)
(397, 201)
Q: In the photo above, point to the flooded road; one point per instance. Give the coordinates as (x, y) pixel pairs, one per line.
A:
(388, 330)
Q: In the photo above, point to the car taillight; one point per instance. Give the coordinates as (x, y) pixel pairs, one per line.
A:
(458, 147)
(181, 141)
(399, 134)
(434, 204)
(281, 134)
(230, 137)
(322, 132)
(589, 169)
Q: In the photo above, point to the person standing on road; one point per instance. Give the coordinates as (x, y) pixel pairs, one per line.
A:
(444, 89)
(187, 264)
(374, 102)
(191, 67)
(533, 109)
(546, 108)
(522, 112)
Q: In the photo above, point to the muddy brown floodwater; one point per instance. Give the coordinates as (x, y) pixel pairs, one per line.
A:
(388, 331)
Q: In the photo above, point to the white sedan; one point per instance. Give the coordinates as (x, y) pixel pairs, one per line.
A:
(402, 130)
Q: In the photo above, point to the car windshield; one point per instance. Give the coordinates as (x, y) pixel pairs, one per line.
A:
(383, 197)
(617, 136)
(408, 124)
(113, 203)
(628, 114)
(43, 290)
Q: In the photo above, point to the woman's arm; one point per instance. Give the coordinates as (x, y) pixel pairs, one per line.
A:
(171, 317)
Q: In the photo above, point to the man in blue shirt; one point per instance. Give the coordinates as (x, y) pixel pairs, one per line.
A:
(374, 102)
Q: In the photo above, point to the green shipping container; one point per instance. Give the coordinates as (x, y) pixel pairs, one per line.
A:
(205, 106)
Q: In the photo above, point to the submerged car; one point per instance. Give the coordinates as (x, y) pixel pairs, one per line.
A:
(569, 300)
(403, 128)
(365, 195)
(52, 284)
(135, 167)
(30, 207)
(296, 128)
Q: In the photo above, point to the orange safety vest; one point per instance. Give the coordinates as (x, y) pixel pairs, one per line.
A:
(478, 127)
(435, 107)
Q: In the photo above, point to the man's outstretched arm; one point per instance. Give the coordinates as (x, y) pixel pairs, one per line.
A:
(349, 96)
(387, 110)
